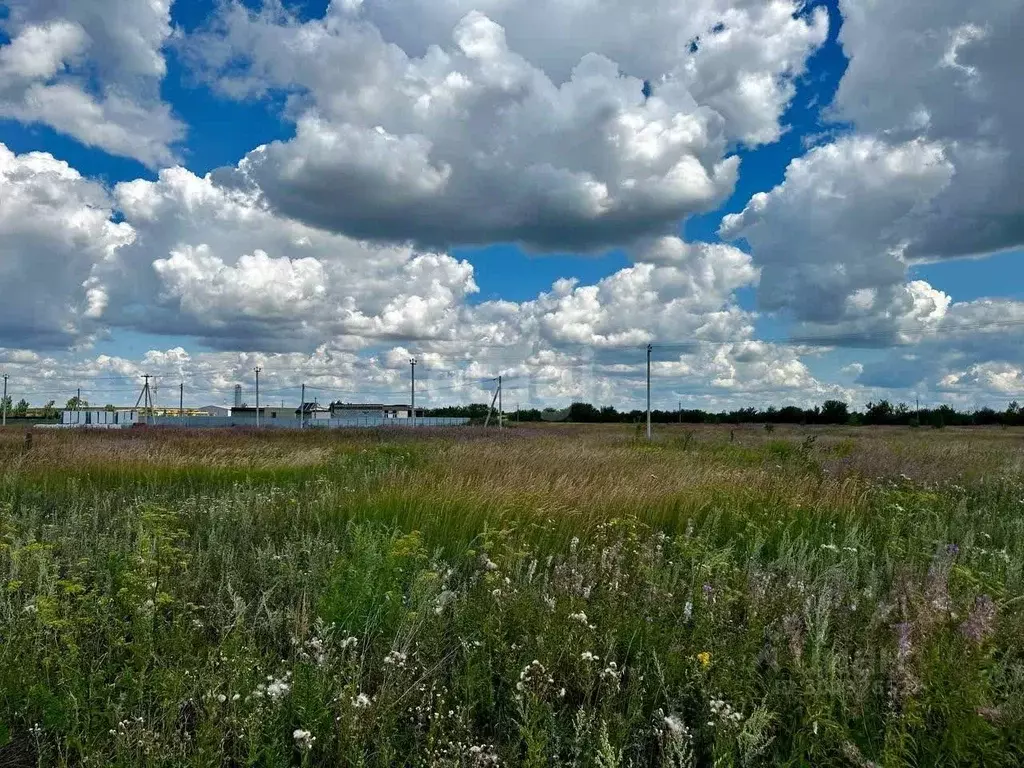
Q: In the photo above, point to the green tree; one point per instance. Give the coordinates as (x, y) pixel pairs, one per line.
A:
(76, 402)
(21, 409)
(49, 410)
(881, 412)
(835, 412)
(5, 404)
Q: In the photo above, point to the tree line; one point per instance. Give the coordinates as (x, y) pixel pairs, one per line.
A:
(882, 412)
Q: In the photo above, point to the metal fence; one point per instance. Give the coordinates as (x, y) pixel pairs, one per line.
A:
(199, 422)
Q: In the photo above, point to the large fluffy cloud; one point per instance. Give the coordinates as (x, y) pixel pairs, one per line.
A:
(831, 238)
(55, 235)
(469, 137)
(91, 69)
(931, 170)
(949, 73)
(212, 262)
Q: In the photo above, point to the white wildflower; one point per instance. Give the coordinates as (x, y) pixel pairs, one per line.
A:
(674, 725)
(277, 689)
(395, 658)
(303, 739)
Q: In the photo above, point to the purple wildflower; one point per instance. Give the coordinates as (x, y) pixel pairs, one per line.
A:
(904, 646)
(981, 620)
(952, 550)
(793, 627)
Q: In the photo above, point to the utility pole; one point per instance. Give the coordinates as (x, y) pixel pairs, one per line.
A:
(680, 411)
(517, 414)
(257, 369)
(491, 406)
(412, 362)
(4, 401)
(145, 399)
(648, 391)
(181, 400)
(78, 407)
(500, 419)
(302, 408)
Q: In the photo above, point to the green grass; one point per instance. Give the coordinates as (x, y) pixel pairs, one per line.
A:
(557, 596)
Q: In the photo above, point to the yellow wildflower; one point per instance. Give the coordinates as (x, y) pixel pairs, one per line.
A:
(704, 657)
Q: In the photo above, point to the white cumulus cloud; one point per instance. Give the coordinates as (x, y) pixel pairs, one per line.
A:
(472, 132)
(91, 69)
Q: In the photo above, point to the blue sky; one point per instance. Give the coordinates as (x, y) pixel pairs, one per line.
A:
(184, 286)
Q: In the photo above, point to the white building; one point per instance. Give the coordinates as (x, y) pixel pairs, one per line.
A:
(312, 412)
(370, 411)
(220, 411)
(101, 417)
(268, 415)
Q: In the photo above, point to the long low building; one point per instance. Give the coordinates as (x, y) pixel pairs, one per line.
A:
(101, 417)
(370, 410)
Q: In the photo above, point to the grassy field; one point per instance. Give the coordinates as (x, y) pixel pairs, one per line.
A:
(550, 596)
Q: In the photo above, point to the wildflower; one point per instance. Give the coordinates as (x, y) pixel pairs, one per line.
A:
(588, 656)
(830, 547)
(488, 564)
(483, 756)
(980, 621)
(856, 757)
(221, 698)
(347, 642)
(278, 689)
(904, 646)
(534, 677)
(581, 617)
(723, 712)
(362, 701)
(704, 657)
(443, 600)
(676, 727)
(395, 658)
(303, 739)
(611, 673)
(687, 610)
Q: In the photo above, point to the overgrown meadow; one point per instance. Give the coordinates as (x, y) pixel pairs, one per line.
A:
(549, 596)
